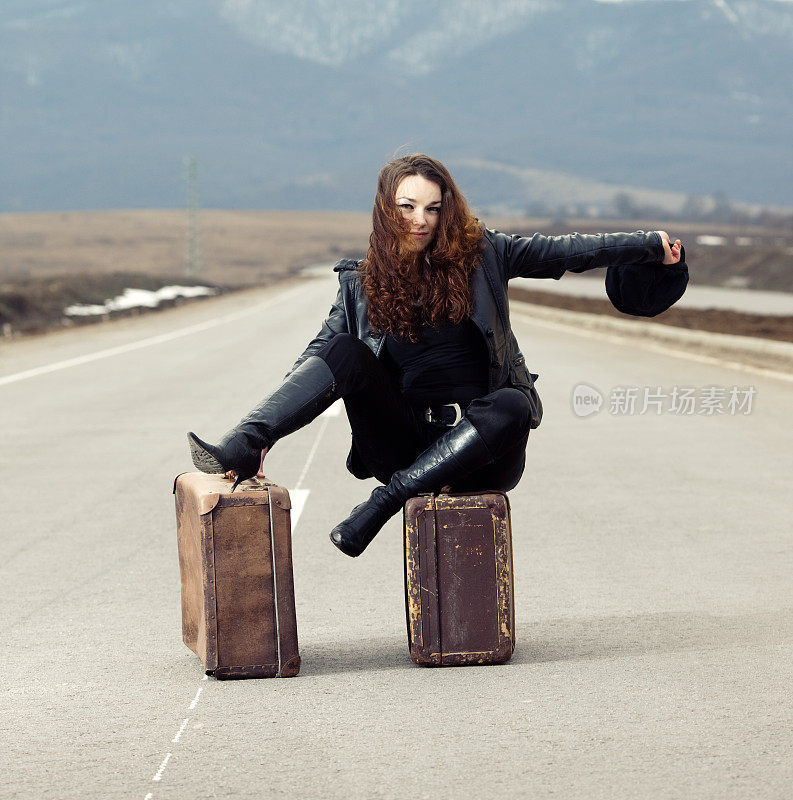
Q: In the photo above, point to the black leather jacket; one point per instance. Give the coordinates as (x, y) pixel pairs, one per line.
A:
(503, 257)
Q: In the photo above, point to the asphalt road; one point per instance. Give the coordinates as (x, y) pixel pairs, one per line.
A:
(653, 563)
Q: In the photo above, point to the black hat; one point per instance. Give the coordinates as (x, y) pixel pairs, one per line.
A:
(645, 290)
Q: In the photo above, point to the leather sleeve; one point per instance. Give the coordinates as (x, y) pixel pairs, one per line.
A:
(541, 256)
(336, 322)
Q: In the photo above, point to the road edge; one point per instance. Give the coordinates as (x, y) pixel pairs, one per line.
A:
(761, 355)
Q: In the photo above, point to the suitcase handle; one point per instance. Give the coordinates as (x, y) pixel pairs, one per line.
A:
(259, 483)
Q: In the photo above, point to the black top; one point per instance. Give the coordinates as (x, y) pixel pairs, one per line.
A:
(447, 364)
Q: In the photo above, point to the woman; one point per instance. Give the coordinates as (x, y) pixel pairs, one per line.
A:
(418, 344)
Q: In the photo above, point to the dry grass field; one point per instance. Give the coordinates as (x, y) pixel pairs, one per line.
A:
(239, 248)
(49, 260)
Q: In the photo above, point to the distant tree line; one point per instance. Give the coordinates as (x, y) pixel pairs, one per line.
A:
(696, 208)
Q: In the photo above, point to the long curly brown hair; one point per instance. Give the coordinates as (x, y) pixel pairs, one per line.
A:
(404, 291)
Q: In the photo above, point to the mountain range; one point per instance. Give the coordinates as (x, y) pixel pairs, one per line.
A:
(297, 105)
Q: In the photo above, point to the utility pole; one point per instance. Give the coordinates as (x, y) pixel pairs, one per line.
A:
(193, 260)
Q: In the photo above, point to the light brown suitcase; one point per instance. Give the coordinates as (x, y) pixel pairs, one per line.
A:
(235, 562)
(459, 592)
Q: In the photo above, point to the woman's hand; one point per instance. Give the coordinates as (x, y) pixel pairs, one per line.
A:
(671, 251)
(231, 475)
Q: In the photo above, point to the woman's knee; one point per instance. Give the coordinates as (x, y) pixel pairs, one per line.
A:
(513, 405)
(505, 408)
(345, 352)
(502, 419)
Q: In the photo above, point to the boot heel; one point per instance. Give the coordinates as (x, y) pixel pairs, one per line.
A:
(240, 479)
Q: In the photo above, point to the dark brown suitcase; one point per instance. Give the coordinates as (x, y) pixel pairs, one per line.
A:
(235, 562)
(459, 592)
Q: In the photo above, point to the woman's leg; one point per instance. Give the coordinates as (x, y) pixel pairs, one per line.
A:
(388, 435)
(502, 420)
(307, 391)
(492, 437)
(502, 475)
(386, 430)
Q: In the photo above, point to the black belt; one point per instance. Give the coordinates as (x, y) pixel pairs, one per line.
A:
(447, 414)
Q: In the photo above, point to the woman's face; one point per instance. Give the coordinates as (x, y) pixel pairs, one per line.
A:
(419, 201)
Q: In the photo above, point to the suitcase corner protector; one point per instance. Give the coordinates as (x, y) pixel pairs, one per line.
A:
(503, 652)
(291, 668)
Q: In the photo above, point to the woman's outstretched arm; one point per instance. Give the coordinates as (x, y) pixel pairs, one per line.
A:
(542, 256)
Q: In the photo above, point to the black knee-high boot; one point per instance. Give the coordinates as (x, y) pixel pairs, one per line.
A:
(304, 395)
(457, 453)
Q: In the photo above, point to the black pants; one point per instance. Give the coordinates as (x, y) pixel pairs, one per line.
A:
(389, 433)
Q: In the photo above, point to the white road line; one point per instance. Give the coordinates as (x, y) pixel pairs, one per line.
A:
(158, 774)
(656, 347)
(312, 452)
(334, 410)
(180, 731)
(298, 498)
(148, 796)
(148, 342)
(298, 495)
(195, 699)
